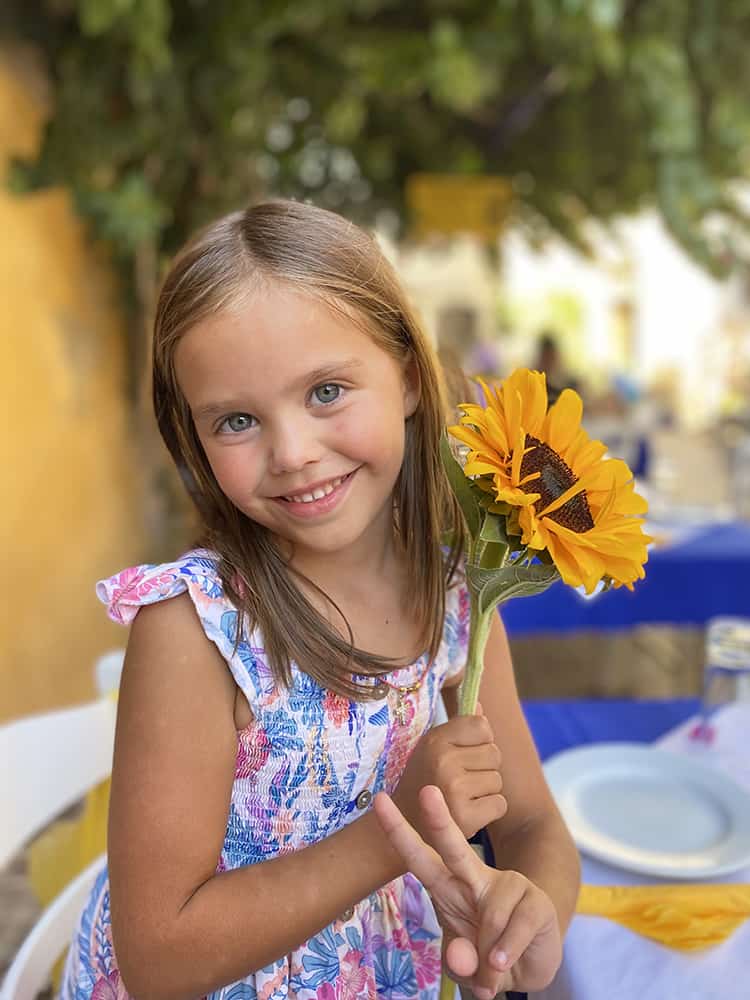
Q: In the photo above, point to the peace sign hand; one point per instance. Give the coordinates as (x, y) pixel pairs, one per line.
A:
(501, 930)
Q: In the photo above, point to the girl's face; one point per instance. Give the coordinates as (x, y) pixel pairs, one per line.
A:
(301, 416)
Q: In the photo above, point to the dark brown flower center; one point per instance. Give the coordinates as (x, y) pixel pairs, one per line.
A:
(555, 477)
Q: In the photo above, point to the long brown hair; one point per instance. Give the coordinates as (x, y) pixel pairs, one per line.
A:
(326, 256)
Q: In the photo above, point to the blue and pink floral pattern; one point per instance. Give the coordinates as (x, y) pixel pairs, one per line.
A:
(301, 767)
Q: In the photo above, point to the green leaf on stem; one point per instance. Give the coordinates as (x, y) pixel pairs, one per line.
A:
(461, 487)
(493, 530)
(493, 555)
(515, 581)
(492, 546)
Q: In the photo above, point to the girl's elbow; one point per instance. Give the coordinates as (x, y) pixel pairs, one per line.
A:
(149, 983)
(147, 969)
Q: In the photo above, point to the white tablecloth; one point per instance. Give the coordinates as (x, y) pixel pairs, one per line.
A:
(605, 961)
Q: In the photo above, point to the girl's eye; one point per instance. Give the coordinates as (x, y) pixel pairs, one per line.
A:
(327, 393)
(236, 422)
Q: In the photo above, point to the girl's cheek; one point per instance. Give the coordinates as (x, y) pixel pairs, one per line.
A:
(237, 471)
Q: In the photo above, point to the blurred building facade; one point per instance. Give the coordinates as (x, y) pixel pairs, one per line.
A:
(70, 508)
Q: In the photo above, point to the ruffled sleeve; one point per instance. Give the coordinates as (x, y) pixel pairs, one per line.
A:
(127, 591)
(197, 574)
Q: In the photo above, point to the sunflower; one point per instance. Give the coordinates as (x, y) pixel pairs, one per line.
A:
(563, 496)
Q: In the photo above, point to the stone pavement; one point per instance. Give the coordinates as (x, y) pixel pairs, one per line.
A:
(18, 909)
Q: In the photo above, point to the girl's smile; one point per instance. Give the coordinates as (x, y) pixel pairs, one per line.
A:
(321, 498)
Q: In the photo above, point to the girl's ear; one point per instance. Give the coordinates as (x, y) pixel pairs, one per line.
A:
(412, 386)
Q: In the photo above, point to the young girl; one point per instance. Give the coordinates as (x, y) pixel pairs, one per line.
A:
(281, 675)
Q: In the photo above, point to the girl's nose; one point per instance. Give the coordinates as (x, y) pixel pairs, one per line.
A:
(292, 446)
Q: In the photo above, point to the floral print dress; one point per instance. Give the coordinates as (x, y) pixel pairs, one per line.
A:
(309, 763)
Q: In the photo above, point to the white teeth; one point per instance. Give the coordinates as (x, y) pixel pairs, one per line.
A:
(317, 494)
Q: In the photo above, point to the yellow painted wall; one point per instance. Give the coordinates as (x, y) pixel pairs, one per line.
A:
(70, 505)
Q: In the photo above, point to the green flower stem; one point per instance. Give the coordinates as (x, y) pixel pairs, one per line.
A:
(447, 988)
(479, 630)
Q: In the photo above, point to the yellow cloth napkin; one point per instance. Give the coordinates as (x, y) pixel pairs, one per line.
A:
(686, 917)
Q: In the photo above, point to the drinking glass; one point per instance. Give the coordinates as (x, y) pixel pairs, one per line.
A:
(726, 671)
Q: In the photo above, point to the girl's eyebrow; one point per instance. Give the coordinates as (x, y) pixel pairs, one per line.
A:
(337, 368)
(328, 371)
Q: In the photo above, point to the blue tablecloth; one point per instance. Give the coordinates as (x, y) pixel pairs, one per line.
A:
(559, 725)
(686, 584)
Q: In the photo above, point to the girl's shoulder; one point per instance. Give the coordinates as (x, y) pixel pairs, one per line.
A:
(195, 573)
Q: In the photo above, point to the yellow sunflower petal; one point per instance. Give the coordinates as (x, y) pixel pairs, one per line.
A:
(517, 459)
(496, 432)
(469, 437)
(584, 452)
(513, 413)
(515, 497)
(533, 532)
(562, 423)
(565, 561)
(533, 390)
(481, 467)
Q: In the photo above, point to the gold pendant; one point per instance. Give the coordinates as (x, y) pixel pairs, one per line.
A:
(399, 710)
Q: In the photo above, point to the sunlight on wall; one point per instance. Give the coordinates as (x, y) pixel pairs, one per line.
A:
(70, 503)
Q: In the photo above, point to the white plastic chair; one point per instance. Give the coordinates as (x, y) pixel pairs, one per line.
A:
(30, 970)
(107, 671)
(51, 761)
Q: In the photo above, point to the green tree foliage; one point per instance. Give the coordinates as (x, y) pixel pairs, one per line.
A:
(167, 113)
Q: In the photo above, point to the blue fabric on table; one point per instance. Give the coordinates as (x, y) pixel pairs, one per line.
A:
(686, 584)
(559, 725)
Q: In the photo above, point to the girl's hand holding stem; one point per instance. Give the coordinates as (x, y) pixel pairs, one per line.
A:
(462, 759)
(501, 931)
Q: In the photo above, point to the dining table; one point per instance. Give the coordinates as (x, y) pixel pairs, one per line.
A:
(695, 571)
(604, 960)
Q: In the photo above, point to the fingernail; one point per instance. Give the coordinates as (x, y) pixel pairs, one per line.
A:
(500, 958)
(483, 994)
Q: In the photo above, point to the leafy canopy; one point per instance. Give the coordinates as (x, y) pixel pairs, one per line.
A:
(168, 113)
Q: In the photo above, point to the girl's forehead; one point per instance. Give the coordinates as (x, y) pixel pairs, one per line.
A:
(285, 325)
(277, 336)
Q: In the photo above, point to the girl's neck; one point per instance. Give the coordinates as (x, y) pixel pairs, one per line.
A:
(350, 569)
(370, 595)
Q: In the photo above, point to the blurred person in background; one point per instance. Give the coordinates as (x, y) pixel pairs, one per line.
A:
(548, 359)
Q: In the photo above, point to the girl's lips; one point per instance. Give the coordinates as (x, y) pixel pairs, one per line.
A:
(316, 507)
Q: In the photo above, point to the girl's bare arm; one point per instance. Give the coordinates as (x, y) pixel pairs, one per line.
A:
(179, 929)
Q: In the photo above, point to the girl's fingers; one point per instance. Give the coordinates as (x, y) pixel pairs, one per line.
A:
(486, 757)
(457, 854)
(532, 919)
(501, 929)
(420, 859)
(461, 958)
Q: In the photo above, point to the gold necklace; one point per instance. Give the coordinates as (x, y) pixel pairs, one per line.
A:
(402, 690)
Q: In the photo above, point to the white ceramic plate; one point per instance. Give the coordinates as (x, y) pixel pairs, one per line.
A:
(652, 811)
